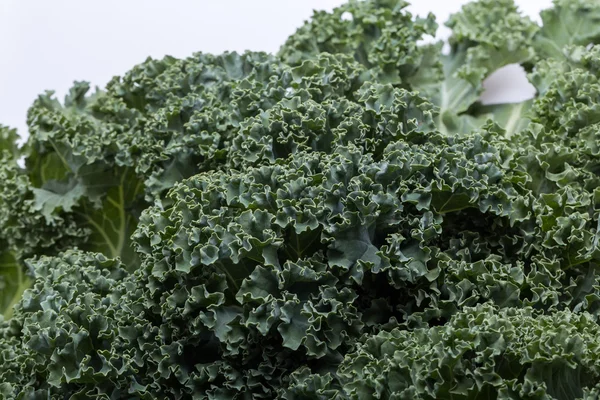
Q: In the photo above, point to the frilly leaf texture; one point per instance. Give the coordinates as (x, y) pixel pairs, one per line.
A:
(341, 220)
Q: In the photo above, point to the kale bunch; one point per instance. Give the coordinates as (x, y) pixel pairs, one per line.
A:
(342, 220)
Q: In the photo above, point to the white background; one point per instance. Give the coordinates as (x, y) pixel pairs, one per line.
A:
(47, 44)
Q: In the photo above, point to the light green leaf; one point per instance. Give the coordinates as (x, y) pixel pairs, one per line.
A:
(13, 282)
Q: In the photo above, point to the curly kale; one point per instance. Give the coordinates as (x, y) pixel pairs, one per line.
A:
(341, 220)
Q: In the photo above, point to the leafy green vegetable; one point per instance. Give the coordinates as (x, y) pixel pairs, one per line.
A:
(342, 220)
(482, 352)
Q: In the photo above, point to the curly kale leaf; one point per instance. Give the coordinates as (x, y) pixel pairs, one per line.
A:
(483, 352)
(379, 34)
(567, 23)
(24, 232)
